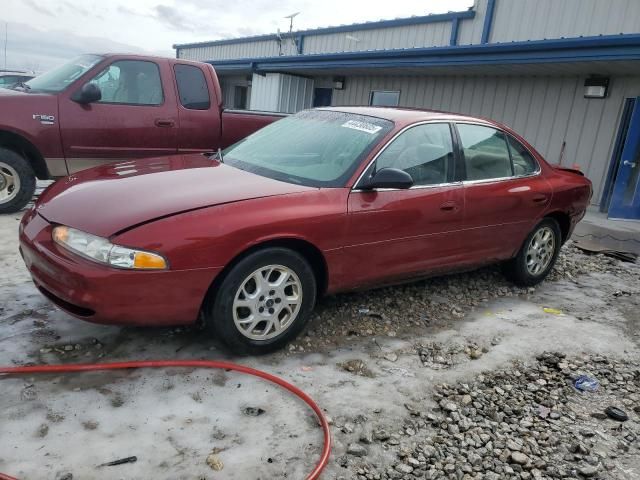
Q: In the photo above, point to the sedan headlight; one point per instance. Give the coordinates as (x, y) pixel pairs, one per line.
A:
(103, 251)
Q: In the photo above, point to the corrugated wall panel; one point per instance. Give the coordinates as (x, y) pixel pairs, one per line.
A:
(470, 30)
(547, 111)
(412, 36)
(517, 20)
(268, 48)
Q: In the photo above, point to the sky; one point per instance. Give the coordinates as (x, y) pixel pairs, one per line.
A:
(44, 33)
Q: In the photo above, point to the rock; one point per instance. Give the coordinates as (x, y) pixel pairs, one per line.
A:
(448, 406)
(357, 450)
(253, 411)
(519, 458)
(589, 470)
(392, 357)
(214, 462)
(381, 435)
(403, 468)
(366, 437)
(513, 445)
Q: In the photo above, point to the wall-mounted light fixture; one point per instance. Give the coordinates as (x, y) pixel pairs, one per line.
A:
(249, 80)
(596, 87)
(338, 83)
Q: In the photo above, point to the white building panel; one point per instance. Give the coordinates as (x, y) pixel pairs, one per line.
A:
(277, 92)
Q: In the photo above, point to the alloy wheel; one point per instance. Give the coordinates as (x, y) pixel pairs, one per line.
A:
(267, 302)
(540, 251)
(9, 183)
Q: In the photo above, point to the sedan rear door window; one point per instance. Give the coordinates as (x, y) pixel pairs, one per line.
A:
(523, 161)
(486, 155)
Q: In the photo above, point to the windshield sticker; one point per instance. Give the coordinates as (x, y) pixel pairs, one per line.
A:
(362, 126)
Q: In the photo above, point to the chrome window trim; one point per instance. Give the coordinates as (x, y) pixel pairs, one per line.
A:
(423, 122)
(459, 182)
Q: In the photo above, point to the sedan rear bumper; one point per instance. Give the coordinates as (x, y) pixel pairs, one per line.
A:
(107, 295)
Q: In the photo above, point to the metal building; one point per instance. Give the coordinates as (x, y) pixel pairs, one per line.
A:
(563, 73)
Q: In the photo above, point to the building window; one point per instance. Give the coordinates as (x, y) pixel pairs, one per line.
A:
(384, 98)
(240, 97)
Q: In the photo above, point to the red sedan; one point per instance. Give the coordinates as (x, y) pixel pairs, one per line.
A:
(323, 201)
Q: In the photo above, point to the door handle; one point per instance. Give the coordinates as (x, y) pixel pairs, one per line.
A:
(164, 122)
(630, 164)
(540, 199)
(449, 207)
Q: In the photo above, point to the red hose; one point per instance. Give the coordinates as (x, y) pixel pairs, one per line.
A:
(86, 367)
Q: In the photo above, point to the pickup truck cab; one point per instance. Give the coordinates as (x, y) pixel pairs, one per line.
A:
(98, 109)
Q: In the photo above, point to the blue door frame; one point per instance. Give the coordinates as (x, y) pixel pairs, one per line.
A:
(625, 197)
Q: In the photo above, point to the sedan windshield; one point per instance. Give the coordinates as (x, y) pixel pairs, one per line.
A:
(61, 77)
(318, 148)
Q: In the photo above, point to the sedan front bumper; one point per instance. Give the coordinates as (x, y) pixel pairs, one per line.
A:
(102, 294)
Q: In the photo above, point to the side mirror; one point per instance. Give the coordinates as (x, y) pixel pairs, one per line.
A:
(89, 93)
(389, 178)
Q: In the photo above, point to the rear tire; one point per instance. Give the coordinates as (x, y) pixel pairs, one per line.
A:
(263, 302)
(17, 181)
(537, 256)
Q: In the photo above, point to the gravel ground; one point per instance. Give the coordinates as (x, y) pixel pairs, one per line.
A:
(457, 377)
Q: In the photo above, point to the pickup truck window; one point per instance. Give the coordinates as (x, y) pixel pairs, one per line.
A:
(192, 87)
(317, 148)
(59, 78)
(131, 82)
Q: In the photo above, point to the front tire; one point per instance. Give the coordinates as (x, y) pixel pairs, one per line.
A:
(263, 302)
(537, 256)
(17, 181)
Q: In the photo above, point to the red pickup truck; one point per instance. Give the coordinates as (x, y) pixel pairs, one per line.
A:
(104, 108)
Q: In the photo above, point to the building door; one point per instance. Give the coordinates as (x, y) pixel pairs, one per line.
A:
(322, 97)
(625, 199)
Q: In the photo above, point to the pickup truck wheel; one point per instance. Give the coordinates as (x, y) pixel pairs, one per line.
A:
(537, 256)
(17, 181)
(263, 302)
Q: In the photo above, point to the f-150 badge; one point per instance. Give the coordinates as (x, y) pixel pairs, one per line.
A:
(45, 119)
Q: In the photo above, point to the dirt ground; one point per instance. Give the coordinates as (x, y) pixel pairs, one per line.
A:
(373, 361)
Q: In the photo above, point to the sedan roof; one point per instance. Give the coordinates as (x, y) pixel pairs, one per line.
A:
(406, 115)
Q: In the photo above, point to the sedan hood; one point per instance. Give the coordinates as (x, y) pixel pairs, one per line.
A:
(109, 199)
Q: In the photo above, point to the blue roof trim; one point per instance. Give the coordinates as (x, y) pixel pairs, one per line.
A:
(398, 22)
(455, 25)
(488, 21)
(610, 47)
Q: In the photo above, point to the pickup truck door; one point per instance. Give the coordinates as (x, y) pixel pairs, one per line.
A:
(136, 117)
(198, 109)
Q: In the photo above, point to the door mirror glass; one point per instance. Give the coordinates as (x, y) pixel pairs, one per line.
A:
(89, 93)
(389, 178)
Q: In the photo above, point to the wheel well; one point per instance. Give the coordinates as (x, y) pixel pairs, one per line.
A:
(309, 251)
(563, 221)
(24, 147)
